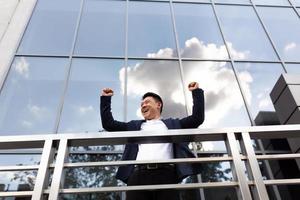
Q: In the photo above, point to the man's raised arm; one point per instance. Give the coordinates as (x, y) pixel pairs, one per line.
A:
(197, 117)
(108, 122)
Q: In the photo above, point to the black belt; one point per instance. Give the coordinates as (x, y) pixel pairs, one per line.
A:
(153, 166)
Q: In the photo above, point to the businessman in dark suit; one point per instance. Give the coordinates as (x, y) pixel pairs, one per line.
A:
(151, 108)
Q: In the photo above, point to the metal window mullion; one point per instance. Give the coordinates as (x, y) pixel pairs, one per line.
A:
(237, 162)
(247, 106)
(126, 61)
(58, 169)
(68, 70)
(43, 172)
(256, 173)
(294, 7)
(182, 78)
(269, 37)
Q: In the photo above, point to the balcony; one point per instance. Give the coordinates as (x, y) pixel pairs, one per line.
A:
(248, 181)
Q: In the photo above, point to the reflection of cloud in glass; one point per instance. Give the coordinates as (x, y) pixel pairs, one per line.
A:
(85, 109)
(216, 78)
(26, 124)
(36, 114)
(37, 111)
(22, 67)
(290, 46)
(264, 103)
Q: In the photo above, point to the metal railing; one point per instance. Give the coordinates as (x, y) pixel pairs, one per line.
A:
(59, 144)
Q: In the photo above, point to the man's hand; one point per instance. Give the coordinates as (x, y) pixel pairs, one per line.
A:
(107, 92)
(193, 85)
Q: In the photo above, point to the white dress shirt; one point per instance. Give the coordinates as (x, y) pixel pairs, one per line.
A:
(156, 151)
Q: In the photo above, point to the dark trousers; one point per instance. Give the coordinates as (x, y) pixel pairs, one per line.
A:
(152, 177)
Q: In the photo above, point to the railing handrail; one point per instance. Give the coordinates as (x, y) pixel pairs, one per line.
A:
(177, 135)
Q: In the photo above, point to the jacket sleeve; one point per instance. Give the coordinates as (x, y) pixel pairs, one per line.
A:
(197, 117)
(108, 122)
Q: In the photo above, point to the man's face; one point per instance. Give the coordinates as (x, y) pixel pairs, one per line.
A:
(150, 108)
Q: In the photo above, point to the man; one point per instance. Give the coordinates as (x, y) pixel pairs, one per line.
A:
(151, 108)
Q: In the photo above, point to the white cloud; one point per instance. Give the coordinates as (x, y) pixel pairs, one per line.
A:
(38, 112)
(22, 67)
(290, 46)
(26, 124)
(85, 109)
(264, 103)
(215, 78)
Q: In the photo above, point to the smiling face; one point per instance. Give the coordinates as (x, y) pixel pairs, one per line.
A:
(150, 108)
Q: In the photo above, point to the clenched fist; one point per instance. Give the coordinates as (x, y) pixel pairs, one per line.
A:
(107, 92)
(193, 85)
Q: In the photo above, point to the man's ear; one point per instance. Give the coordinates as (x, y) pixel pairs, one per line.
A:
(159, 104)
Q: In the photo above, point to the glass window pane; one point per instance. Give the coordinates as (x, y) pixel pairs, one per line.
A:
(271, 2)
(258, 80)
(150, 31)
(198, 32)
(81, 107)
(31, 95)
(161, 77)
(244, 34)
(293, 68)
(17, 181)
(296, 2)
(19, 159)
(224, 106)
(51, 28)
(102, 29)
(233, 1)
(288, 44)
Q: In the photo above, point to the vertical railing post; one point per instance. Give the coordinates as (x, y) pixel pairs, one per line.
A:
(58, 169)
(43, 171)
(257, 176)
(237, 162)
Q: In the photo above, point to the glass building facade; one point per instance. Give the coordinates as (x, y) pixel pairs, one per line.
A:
(71, 49)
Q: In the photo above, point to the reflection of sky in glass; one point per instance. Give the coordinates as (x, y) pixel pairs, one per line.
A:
(162, 77)
(149, 29)
(271, 2)
(102, 29)
(260, 80)
(198, 31)
(293, 68)
(24, 159)
(224, 106)
(30, 98)
(296, 2)
(88, 78)
(284, 30)
(244, 33)
(51, 28)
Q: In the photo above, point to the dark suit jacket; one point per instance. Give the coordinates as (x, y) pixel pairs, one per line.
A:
(181, 150)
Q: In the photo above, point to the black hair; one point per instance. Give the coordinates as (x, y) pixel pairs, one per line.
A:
(156, 97)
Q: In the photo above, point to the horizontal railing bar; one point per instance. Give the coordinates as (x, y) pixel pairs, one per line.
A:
(278, 157)
(16, 194)
(182, 135)
(39, 152)
(147, 187)
(139, 162)
(19, 168)
(295, 181)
